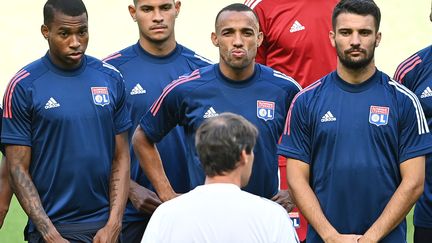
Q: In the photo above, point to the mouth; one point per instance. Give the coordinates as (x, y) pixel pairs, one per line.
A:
(158, 27)
(355, 52)
(238, 53)
(75, 55)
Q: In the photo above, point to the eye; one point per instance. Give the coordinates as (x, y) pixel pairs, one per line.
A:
(344, 32)
(146, 10)
(63, 34)
(365, 32)
(248, 33)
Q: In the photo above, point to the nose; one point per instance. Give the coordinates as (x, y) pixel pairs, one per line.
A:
(238, 40)
(157, 17)
(355, 39)
(75, 42)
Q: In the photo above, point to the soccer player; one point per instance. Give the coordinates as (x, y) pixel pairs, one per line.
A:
(147, 67)
(416, 74)
(65, 129)
(296, 43)
(355, 140)
(219, 211)
(236, 85)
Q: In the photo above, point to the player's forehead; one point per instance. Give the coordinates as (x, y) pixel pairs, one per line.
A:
(62, 20)
(237, 20)
(154, 3)
(355, 21)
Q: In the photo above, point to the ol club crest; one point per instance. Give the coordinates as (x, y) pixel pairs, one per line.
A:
(100, 95)
(295, 217)
(265, 110)
(379, 115)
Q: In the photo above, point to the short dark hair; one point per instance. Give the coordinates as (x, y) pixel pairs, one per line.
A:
(220, 141)
(67, 7)
(238, 7)
(360, 7)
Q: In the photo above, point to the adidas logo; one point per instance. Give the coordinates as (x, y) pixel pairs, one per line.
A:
(328, 117)
(210, 113)
(426, 93)
(296, 27)
(52, 103)
(138, 90)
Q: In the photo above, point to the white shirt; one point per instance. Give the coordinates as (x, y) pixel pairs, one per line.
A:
(219, 213)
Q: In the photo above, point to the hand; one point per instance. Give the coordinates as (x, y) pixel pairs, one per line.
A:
(365, 239)
(55, 237)
(108, 234)
(342, 238)
(166, 197)
(143, 199)
(283, 197)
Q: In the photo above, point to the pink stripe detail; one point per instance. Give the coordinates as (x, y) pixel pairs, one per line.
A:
(409, 69)
(113, 56)
(404, 65)
(155, 108)
(287, 129)
(9, 99)
(169, 86)
(8, 90)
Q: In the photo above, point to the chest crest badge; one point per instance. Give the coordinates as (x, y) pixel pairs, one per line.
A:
(379, 115)
(265, 110)
(100, 95)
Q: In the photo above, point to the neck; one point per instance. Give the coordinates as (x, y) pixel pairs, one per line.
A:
(237, 74)
(158, 48)
(356, 76)
(230, 178)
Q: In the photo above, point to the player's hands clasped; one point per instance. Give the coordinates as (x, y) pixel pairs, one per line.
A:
(284, 198)
(144, 199)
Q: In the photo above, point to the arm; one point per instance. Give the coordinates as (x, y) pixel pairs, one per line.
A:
(119, 185)
(5, 191)
(18, 162)
(151, 163)
(298, 180)
(410, 189)
(142, 198)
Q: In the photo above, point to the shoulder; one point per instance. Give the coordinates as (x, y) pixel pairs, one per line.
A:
(104, 68)
(278, 79)
(193, 57)
(416, 62)
(121, 57)
(29, 73)
(186, 84)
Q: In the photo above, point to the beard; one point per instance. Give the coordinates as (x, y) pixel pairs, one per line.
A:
(355, 64)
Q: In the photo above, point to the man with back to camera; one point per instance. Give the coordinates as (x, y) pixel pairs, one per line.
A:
(147, 67)
(416, 74)
(65, 129)
(355, 141)
(235, 85)
(219, 211)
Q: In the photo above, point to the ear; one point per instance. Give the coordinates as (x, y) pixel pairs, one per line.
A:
(214, 39)
(243, 158)
(45, 31)
(378, 39)
(132, 12)
(260, 39)
(177, 6)
(332, 38)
